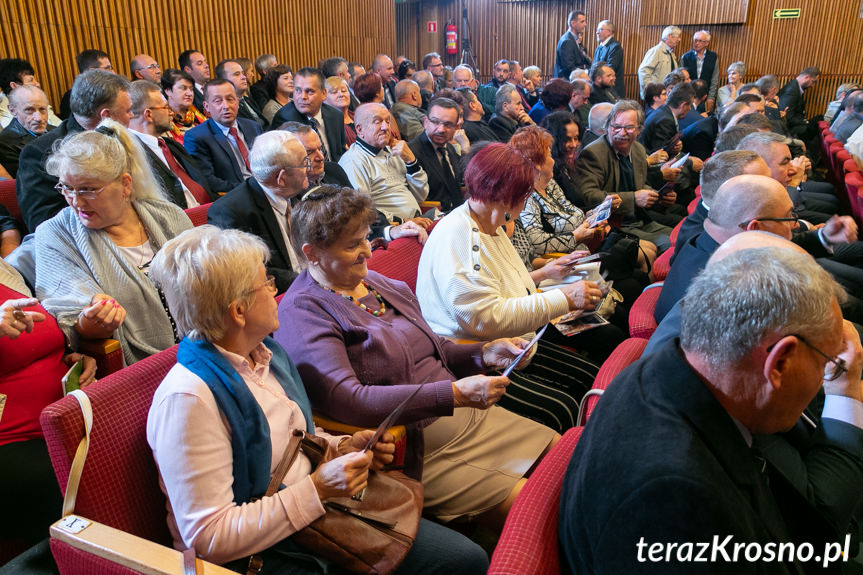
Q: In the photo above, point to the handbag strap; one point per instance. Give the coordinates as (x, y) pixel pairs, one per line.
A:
(80, 455)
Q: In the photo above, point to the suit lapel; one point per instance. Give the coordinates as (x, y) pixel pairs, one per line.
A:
(223, 142)
(169, 181)
(269, 217)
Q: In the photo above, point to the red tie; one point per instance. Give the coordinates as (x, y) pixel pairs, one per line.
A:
(197, 190)
(243, 151)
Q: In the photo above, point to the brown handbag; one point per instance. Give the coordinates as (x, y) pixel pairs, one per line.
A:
(368, 535)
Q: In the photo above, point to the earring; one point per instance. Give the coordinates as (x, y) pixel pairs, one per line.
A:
(507, 216)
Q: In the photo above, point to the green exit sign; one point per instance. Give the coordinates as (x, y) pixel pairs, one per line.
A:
(781, 13)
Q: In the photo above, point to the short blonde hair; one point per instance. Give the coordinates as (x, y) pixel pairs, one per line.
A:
(202, 271)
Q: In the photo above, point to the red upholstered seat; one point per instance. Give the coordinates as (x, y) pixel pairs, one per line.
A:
(641, 321)
(9, 199)
(198, 214)
(853, 186)
(528, 543)
(850, 165)
(398, 260)
(624, 354)
(663, 263)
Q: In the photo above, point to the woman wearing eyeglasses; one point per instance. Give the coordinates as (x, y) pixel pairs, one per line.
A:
(92, 257)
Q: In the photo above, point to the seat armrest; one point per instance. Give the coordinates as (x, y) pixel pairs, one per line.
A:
(98, 347)
(397, 431)
(427, 205)
(128, 550)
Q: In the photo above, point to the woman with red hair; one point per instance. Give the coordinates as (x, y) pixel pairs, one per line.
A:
(472, 284)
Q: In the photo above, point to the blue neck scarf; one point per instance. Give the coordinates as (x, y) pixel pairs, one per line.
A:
(250, 432)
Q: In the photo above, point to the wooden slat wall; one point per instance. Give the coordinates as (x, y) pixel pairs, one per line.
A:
(299, 32)
(694, 12)
(528, 32)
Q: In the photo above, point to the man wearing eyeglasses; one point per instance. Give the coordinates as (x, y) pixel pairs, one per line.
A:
(433, 64)
(438, 157)
(145, 67)
(262, 204)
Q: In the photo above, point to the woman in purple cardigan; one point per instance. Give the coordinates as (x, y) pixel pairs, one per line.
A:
(361, 346)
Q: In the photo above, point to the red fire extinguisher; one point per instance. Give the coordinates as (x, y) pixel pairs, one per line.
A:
(451, 39)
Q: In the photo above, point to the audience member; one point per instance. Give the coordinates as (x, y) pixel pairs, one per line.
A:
(555, 97)
(96, 95)
(703, 64)
(603, 79)
(728, 93)
(247, 109)
(675, 77)
(386, 170)
(475, 127)
(791, 99)
(834, 106)
(29, 108)
(425, 81)
(462, 77)
(406, 111)
(195, 65)
(433, 64)
(654, 98)
(596, 122)
(92, 257)
(308, 108)
(661, 129)
(179, 89)
(608, 50)
(405, 70)
(699, 88)
(339, 97)
(173, 168)
(731, 137)
(509, 114)
(145, 67)
(566, 139)
(279, 85)
(85, 60)
(368, 88)
(580, 103)
(854, 121)
(570, 53)
(383, 67)
(659, 60)
(439, 159)
(487, 93)
(261, 205)
(14, 73)
(259, 90)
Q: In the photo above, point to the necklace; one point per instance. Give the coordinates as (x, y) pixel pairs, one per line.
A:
(359, 304)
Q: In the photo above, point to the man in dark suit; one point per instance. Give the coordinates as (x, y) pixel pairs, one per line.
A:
(29, 108)
(232, 71)
(608, 50)
(570, 53)
(195, 65)
(661, 127)
(791, 97)
(703, 64)
(221, 145)
(691, 454)
(96, 94)
(509, 114)
(438, 156)
(308, 108)
(85, 60)
(699, 138)
(383, 67)
(171, 164)
(258, 91)
(475, 127)
(262, 204)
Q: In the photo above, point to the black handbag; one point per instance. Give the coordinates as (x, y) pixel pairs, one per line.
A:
(622, 255)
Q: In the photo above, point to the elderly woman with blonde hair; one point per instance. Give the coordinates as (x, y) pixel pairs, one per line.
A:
(223, 416)
(92, 257)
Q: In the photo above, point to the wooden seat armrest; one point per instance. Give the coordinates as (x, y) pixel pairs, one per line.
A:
(94, 347)
(427, 205)
(553, 255)
(462, 340)
(397, 431)
(129, 550)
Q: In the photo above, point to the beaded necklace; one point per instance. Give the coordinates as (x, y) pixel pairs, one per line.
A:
(358, 303)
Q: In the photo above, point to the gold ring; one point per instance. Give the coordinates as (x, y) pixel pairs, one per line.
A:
(19, 315)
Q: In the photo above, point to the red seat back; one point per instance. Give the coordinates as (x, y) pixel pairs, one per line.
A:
(663, 263)
(850, 165)
(198, 214)
(528, 543)
(9, 199)
(120, 482)
(398, 260)
(641, 321)
(624, 354)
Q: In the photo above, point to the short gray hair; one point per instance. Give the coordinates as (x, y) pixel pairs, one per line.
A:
(671, 31)
(767, 83)
(269, 154)
(738, 67)
(722, 167)
(748, 298)
(504, 93)
(202, 271)
(531, 71)
(760, 142)
(704, 33)
(93, 90)
(625, 106)
(105, 154)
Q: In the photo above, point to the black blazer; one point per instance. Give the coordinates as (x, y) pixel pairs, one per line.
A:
(479, 131)
(599, 95)
(258, 92)
(690, 61)
(449, 196)
(169, 180)
(198, 99)
(612, 54)
(249, 110)
(247, 208)
(13, 138)
(568, 56)
(334, 126)
(215, 155)
(795, 117)
(659, 129)
(34, 187)
(699, 139)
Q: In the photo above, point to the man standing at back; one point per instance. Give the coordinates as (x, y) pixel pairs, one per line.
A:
(703, 64)
(570, 53)
(608, 50)
(308, 108)
(659, 60)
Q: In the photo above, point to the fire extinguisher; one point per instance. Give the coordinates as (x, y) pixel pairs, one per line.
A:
(451, 39)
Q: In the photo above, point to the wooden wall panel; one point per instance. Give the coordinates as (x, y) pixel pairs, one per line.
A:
(528, 32)
(694, 12)
(300, 33)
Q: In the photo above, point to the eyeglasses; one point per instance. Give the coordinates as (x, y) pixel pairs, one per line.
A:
(305, 164)
(618, 128)
(81, 193)
(438, 65)
(165, 107)
(835, 367)
(448, 125)
(792, 218)
(270, 283)
(153, 66)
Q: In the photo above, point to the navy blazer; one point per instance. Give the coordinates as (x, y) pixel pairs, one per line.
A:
(689, 261)
(247, 208)
(568, 57)
(690, 62)
(169, 180)
(659, 128)
(334, 126)
(699, 139)
(215, 154)
(612, 54)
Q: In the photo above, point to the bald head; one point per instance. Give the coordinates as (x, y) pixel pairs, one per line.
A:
(408, 91)
(745, 198)
(145, 67)
(424, 80)
(29, 105)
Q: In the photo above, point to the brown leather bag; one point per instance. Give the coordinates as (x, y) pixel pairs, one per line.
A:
(371, 535)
